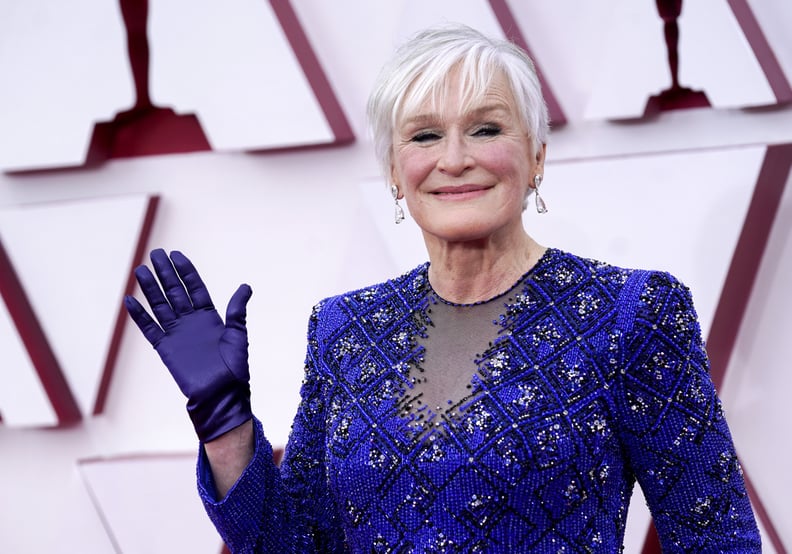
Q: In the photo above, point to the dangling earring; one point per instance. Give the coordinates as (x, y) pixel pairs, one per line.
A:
(541, 207)
(398, 214)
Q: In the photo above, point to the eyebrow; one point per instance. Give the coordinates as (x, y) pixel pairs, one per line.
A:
(422, 119)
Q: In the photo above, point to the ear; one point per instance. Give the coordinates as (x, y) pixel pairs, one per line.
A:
(540, 158)
(395, 181)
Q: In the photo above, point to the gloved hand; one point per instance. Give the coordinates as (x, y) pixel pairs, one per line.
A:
(208, 359)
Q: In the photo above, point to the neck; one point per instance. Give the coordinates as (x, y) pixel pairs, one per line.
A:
(473, 271)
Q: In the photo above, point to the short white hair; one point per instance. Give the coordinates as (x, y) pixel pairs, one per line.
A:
(419, 70)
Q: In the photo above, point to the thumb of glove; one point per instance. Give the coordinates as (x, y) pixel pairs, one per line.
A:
(234, 342)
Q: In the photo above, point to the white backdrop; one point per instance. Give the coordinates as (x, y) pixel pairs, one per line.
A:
(668, 192)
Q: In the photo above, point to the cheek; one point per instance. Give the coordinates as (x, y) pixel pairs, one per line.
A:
(509, 164)
(508, 161)
(412, 168)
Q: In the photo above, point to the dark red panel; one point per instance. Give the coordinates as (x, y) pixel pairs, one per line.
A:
(121, 316)
(736, 293)
(512, 31)
(313, 71)
(32, 334)
(747, 258)
(145, 129)
(761, 48)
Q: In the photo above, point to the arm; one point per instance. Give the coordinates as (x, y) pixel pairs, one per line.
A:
(252, 506)
(207, 358)
(304, 466)
(288, 509)
(229, 455)
(673, 429)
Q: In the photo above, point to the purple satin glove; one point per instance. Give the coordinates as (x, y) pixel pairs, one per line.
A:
(208, 359)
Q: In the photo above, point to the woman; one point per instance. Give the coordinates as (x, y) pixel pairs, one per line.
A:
(503, 397)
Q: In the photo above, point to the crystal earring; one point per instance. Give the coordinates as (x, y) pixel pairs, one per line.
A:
(398, 214)
(541, 207)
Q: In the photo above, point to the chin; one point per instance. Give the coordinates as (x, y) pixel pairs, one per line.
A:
(460, 232)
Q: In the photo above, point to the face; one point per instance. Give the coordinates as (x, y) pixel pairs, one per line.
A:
(464, 171)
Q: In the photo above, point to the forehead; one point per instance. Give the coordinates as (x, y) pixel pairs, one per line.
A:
(458, 93)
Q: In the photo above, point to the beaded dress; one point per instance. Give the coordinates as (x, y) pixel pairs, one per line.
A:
(566, 389)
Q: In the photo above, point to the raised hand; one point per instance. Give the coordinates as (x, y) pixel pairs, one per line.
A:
(207, 358)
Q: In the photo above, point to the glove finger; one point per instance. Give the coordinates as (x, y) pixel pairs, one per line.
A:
(151, 290)
(236, 313)
(199, 294)
(171, 284)
(143, 320)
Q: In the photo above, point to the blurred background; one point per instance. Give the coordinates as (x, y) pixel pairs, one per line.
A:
(236, 133)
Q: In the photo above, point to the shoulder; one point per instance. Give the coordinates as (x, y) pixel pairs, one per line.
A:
(664, 304)
(649, 300)
(565, 270)
(645, 294)
(388, 298)
(616, 275)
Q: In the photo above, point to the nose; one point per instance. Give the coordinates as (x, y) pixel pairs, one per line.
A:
(455, 157)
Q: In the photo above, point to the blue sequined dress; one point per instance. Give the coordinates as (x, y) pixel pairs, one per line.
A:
(595, 377)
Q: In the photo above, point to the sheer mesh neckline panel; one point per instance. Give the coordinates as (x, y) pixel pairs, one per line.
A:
(444, 378)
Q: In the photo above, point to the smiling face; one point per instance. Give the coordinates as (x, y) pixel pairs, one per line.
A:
(464, 167)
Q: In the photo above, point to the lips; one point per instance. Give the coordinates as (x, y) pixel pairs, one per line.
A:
(459, 189)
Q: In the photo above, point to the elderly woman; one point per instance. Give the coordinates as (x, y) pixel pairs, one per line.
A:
(502, 398)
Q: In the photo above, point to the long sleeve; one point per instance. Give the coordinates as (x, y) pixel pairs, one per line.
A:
(304, 467)
(674, 433)
(286, 509)
(254, 507)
